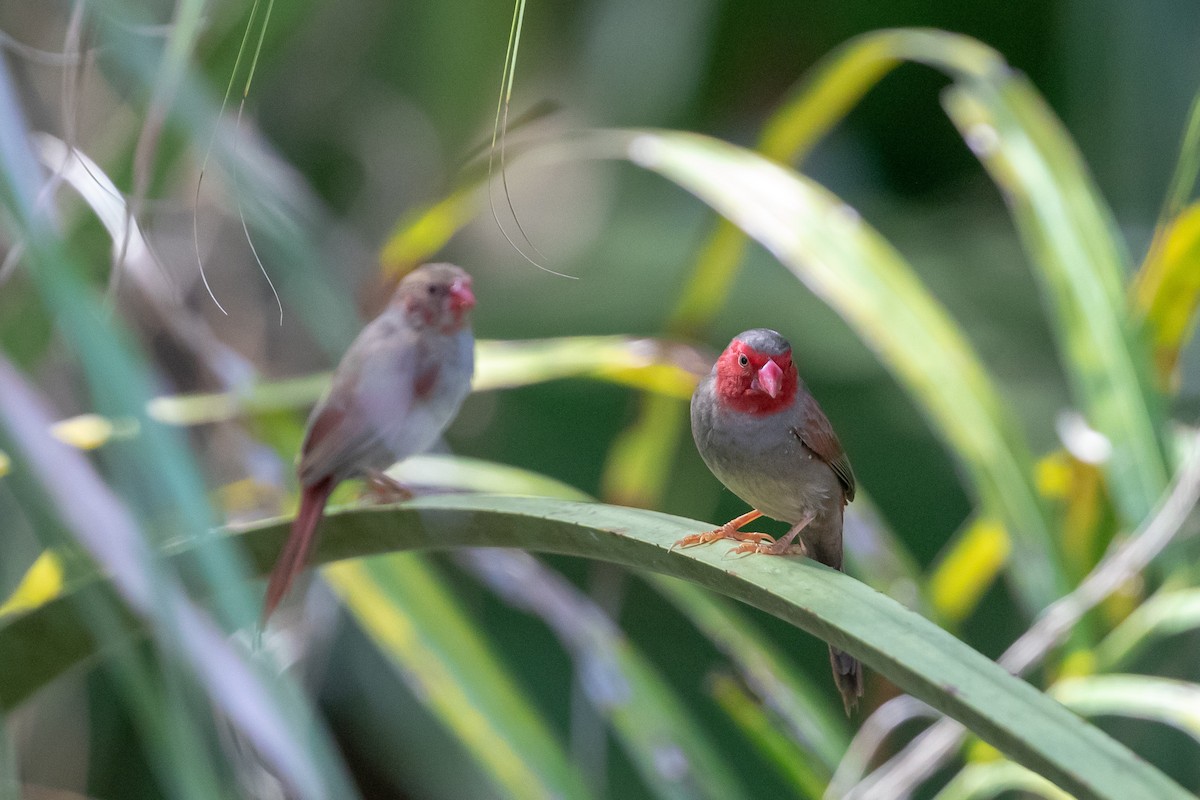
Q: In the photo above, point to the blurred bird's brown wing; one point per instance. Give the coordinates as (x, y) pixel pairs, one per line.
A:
(816, 433)
(370, 396)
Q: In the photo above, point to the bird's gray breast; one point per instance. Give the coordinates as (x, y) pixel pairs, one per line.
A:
(761, 460)
(451, 357)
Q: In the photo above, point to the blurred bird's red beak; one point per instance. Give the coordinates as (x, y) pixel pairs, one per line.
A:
(461, 296)
(770, 378)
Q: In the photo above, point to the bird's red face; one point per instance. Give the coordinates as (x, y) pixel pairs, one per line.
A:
(753, 382)
(437, 296)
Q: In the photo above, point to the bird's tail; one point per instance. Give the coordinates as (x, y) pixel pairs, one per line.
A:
(848, 675)
(294, 556)
(847, 670)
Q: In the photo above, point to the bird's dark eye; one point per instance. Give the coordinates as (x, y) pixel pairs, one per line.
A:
(433, 289)
(743, 361)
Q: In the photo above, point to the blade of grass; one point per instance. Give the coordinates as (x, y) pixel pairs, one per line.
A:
(1072, 239)
(916, 655)
(401, 604)
(461, 474)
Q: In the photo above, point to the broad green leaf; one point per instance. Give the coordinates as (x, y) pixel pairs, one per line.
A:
(1081, 261)
(917, 656)
(402, 605)
(849, 265)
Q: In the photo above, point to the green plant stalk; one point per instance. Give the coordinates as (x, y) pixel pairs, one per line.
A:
(916, 655)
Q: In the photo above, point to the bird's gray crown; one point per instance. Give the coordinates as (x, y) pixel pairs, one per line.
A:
(765, 341)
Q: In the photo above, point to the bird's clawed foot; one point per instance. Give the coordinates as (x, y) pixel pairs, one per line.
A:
(749, 538)
(772, 548)
(730, 530)
(384, 489)
(789, 544)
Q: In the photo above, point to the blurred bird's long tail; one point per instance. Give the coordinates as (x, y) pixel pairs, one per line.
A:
(295, 552)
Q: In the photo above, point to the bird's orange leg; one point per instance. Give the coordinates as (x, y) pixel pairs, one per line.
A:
(384, 489)
(788, 544)
(730, 530)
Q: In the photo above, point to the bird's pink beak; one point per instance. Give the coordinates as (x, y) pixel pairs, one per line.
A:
(770, 378)
(461, 296)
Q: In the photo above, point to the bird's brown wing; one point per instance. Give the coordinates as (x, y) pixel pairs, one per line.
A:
(817, 435)
(371, 392)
